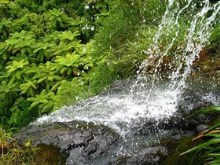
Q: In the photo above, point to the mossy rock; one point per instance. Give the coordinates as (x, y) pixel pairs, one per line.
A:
(49, 155)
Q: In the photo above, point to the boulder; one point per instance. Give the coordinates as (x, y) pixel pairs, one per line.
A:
(87, 143)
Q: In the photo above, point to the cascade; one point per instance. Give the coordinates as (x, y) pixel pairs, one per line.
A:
(150, 97)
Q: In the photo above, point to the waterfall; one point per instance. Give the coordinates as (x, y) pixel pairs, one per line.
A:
(196, 38)
(151, 96)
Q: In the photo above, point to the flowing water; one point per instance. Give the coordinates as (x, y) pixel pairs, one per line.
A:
(153, 97)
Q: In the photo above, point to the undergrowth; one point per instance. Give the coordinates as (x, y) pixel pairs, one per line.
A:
(206, 148)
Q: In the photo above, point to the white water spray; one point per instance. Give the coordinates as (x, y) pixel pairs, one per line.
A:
(158, 99)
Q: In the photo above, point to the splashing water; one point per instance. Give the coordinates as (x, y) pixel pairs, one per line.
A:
(149, 97)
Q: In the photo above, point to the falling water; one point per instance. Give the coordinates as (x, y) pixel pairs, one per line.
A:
(150, 97)
(196, 38)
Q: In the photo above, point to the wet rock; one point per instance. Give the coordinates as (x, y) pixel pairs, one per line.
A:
(149, 156)
(178, 135)
(190, 101)
(84, 143)
(147, 127)
(201, 127)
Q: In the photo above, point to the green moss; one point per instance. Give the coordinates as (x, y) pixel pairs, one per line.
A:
(49, 155)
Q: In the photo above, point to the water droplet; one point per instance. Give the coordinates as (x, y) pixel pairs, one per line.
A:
(92, 28)
(86, 7)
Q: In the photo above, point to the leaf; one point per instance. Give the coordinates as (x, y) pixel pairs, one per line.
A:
(41, 80)
(203, 145)
(87, 66)
(18, 75)
(56, 86)
(4, 56)
(215, 162)
(31, 92)
(34, 104)
(210, 109)
(6, 87)
(68, 35)
(206, 133)
(4, 2)
(76, 72)
(15, 65)
(63, 70)
(48, 86)
(69, 71)
(28, 88)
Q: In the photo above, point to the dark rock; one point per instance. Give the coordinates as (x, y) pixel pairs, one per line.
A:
(201, 127)
(152, 155)
(191, 101)
(149, 156)
(84, 143)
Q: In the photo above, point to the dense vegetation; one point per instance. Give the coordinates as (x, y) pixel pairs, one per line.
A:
(44, 57)
(206, 148)
(56, 52)
(53, 53)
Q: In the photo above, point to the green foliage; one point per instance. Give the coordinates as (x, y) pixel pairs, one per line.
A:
(13, 153)
(207, 150)
(15, 70)
(45, 101)
(71, 64)
(124, 19)
(53, 53)
(135, 51)
(46, 56)
(4, 2)
(103, 74)
(215, 36)
(79, 90)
